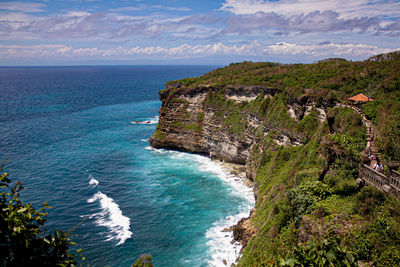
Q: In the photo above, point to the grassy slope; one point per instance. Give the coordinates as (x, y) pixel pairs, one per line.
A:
(299, 218)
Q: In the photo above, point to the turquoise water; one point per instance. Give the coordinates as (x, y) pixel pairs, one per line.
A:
(69, 138)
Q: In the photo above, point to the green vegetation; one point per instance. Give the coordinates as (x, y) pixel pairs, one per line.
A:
(325, 252)
(159, 135)
(309, 124)
(22, 237)
(305, 221)
(328, 79)
(144, 260)
(194, 127)
(309, 211)
(388, 128)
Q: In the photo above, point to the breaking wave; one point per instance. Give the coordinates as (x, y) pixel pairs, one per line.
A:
(110, 216)
(220, 246)
(151, 121)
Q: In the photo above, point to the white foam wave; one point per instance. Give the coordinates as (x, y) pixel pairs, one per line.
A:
(236, 183)
(159, 151)
(145, 140)
(220, 242)
(110, 216)
(93, 181)
(151, 121)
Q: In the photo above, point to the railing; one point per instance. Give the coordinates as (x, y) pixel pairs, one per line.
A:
(394, 180)
(388, 184)
(372, 177)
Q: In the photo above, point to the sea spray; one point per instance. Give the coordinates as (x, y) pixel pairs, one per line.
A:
(110, 216)
(93, 181)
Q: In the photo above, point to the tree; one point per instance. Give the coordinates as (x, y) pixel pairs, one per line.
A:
(23, 241)
(144, 260)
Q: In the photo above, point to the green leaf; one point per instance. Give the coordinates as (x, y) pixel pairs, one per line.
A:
(22, 210)
(331, 256)
(350, 257)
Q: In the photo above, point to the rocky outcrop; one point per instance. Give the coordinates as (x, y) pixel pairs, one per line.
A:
(248, 93)
(187, 123)
(244, 230)
(385, 57)
(300, 107)
(210, 120)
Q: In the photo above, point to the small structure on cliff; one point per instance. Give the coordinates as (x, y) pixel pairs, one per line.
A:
(360, 98)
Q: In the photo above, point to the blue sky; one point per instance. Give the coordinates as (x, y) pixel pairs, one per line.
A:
(67, 32)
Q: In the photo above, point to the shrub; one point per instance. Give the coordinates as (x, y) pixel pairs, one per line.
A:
(326, 252)
(368, 200)
(23, 241)
(303, 198)
(144, 260)
(371, 110)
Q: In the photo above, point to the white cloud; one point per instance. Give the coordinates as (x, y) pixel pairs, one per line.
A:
(249, 18)
(32, 51)
(317, 51)
(257, 17)
(86, 25)
(325, 50)
(327, 21)
(347, 9)
(22, 7)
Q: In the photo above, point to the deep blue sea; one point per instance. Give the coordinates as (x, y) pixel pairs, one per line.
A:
(69, 137)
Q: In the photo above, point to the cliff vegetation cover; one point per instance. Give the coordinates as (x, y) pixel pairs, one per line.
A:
(302, 148)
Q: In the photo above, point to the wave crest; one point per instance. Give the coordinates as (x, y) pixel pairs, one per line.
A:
(110, 216)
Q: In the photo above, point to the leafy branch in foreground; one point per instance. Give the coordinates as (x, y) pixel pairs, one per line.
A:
(22, 239)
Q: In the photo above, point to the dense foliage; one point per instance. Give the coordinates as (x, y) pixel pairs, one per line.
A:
(22, 238)
(305, 221)
(309, 211)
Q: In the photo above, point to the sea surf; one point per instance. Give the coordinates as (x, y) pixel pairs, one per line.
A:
(78, 137)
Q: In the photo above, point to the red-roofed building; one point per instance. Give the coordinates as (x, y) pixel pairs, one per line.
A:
(360, 98)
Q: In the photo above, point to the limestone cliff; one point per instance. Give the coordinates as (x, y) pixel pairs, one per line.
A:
(225, 122)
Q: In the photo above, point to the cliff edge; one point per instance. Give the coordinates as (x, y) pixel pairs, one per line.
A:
(302, 148)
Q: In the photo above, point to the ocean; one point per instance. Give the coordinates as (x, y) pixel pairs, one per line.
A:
(70, 137)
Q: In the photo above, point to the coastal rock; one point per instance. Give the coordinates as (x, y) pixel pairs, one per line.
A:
(244, 230)
(189, 121)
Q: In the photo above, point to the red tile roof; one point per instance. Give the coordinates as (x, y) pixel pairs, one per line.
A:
(361, 98)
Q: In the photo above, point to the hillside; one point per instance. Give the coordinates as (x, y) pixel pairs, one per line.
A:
(302, 149)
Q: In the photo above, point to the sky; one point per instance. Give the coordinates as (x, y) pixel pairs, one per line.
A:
(216, 32)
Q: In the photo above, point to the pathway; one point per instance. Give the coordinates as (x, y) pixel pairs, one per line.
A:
(389, 183)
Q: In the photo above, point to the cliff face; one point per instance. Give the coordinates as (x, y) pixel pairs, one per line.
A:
(187, 123)
(289, 130)
(220, 121)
